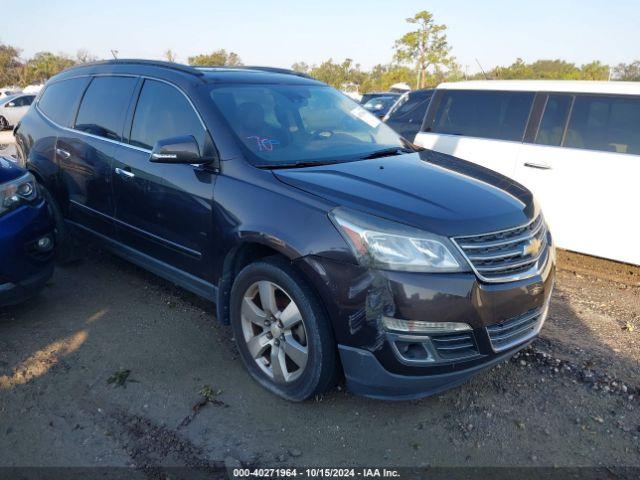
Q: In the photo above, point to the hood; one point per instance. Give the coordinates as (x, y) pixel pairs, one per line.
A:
(428, 190)
(9, 170)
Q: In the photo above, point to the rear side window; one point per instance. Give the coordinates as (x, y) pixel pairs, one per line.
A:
(163, 112)
(553, 120)
(23, 101)
(104, 106)
(483, 114)
(609, 124)
(59, 101)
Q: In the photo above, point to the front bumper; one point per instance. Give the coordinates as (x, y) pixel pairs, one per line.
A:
(359, 299)
(14, 293)
(367, 377)
(24, 267)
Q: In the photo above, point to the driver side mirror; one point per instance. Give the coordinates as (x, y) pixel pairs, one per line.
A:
(11, 104)
(183, 149)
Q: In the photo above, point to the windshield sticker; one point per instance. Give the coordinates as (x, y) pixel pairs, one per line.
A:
(361, 114)
(264, 144)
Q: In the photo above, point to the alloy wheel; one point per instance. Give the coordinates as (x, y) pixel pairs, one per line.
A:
(274, 331)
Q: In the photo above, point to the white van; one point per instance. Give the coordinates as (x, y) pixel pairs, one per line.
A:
(574, 144)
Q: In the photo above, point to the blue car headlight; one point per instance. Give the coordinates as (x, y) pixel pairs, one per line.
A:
(21, 191)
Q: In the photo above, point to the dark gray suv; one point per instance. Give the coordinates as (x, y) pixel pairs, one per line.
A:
(329, 243)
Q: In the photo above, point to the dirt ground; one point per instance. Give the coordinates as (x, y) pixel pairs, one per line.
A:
(571, 399)
(111, 365)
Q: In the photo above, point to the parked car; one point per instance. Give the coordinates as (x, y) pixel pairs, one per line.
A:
(407, 114)
(575, 144)
(379, 106)
(327, 241)
(366, 97)
(13, 108)
(4, 92)
(26, 235)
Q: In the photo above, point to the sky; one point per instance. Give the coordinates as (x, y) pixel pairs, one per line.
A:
(281, 32)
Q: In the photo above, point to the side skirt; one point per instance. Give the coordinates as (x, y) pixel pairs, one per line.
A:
(179, 277)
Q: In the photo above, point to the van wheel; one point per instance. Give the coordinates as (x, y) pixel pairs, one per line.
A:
(282, 331)
(68, 249)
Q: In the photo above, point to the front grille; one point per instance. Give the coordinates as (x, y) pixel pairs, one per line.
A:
(458, 345)
(515, 330)
(507, 255)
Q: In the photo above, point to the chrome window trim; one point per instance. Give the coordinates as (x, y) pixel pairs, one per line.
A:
(144, 77)
(90, 135)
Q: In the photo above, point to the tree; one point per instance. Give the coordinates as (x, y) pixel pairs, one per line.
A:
(381, 77)
(300, 67)
(595, 70)
(338, 75)
(44, 65)
(549, 70)
(426, 48)
(10, 65)
(83, 56)
(627, 71)
(216, 58)
(170, 56)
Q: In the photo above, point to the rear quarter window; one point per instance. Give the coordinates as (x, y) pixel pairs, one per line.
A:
(59, 101)
(605, 123)
(483, 114)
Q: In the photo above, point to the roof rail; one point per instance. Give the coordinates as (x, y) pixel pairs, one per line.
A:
(284, 71)
(154, 63)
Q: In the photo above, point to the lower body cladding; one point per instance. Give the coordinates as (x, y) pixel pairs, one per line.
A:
(26, 252)
(408, 335)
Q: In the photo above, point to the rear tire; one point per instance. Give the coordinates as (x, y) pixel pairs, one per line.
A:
(282, 331)
(68, 249)
(4, 124)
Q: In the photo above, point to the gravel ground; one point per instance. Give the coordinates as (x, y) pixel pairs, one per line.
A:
(112, 366)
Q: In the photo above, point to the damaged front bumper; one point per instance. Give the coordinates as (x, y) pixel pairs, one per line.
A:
(381, 362)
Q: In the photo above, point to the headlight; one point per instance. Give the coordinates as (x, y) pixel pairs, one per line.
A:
(18, 192)
(388, 245)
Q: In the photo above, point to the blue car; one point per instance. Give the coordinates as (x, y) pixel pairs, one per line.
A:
(26, 235)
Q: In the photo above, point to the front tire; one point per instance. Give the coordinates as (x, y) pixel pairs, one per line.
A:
(68, 250)
(282, 331)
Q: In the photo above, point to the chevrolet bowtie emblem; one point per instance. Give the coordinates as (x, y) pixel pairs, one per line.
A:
(532, 247)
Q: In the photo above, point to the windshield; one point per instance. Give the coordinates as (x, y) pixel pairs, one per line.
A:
(379, 103)
(288, 124)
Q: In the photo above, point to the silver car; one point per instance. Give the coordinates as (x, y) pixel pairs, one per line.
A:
(13, 108)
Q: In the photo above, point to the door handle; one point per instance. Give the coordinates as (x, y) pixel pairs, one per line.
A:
(62, 153)
(125, 173)
(539, 166)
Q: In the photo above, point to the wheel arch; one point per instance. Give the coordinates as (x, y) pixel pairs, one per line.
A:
(239, 256)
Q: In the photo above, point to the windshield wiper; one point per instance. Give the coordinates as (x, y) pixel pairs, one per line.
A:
(387, 152)
(300, 164)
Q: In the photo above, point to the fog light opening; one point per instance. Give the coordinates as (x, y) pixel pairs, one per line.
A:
(415, 351)
(44, 244)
